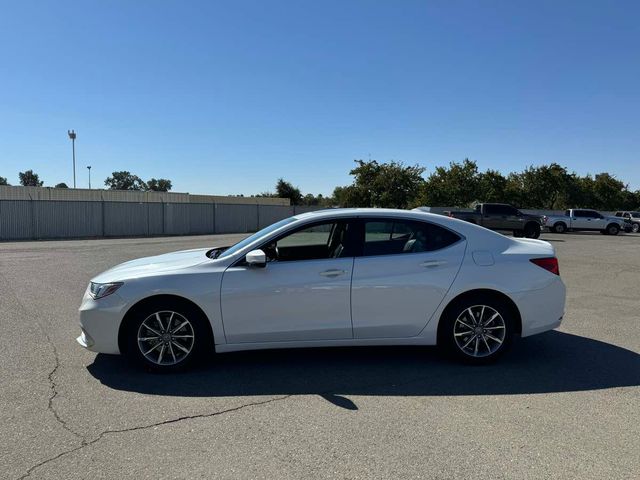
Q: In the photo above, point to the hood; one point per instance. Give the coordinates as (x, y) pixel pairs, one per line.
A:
(148, 266)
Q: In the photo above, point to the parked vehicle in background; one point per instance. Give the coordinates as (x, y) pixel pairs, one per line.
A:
(577, 219)
(501, 216)
(631, 217)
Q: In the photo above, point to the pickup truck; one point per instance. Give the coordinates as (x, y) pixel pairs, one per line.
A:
(632, 219)
(576, 219)
(500, 216)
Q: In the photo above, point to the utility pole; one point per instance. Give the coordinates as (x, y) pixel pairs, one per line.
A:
(89, 168)
(72, 136)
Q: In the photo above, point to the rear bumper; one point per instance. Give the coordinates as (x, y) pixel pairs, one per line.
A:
(543, 309)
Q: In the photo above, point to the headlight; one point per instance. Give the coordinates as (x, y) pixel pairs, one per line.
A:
(99, 290)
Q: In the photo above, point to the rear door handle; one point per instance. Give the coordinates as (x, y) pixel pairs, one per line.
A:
(333, 273)
(433, 263)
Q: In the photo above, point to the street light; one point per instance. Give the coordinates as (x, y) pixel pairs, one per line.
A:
(72, 136)
(89, 168)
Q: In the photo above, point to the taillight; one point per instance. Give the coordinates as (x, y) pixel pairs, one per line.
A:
(548, 263)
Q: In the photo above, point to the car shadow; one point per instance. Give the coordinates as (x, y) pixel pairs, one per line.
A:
(550, 362)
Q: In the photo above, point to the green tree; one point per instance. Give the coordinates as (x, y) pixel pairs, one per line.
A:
(455, 186)
(29, 179)
(285, 189)
(61, 185)
(491, 186)
(3, 181)
(387, 185)
(124, 181)
(159, 185)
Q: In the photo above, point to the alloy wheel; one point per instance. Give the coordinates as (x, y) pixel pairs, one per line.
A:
(479, 331)
(166, 338)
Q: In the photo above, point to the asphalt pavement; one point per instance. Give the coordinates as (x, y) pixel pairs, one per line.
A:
(565, 404)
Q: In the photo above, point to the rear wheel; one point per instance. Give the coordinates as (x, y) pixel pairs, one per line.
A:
(532, 230)
(167, 338)
(613, 229)
(477, 330)
(560, 227)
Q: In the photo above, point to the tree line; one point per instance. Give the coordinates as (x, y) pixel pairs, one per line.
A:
(122, 180)
(460, 184)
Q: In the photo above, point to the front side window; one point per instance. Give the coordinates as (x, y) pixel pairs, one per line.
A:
(319, 241)
(392, 237)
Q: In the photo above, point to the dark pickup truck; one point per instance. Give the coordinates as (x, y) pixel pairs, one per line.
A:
(500, 216)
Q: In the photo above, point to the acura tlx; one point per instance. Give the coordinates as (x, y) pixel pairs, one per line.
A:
(337, 277)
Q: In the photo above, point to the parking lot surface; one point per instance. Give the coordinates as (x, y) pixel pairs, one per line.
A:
(565, 404)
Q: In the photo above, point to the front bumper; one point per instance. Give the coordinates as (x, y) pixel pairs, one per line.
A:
(100, 323)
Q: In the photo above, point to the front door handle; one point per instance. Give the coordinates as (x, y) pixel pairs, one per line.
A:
(333, 273)
(433, 263)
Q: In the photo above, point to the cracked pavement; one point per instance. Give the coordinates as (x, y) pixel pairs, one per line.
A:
(560, 405)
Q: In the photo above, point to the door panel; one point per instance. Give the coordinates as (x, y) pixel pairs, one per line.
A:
(394, 296)
(287, 301)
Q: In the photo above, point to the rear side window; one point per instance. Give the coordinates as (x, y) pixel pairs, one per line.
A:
(404, 236)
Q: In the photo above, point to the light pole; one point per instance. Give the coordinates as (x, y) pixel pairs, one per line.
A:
(89, 168)
(72, 136)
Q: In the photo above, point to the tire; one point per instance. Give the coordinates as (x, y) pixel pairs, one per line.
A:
(635, 228)
(560, 227)
(167, 336)
(613, 229)
(477, 348)
(532, 230)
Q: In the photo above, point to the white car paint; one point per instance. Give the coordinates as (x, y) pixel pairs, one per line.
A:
(379, 300)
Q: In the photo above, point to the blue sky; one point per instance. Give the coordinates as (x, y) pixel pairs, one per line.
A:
(225, 97)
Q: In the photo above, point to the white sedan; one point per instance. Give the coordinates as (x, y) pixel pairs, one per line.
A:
(342, 277)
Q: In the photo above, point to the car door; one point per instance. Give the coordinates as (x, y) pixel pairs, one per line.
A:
(303, 292)
(491, 216)
(402, 273)
(579, 220)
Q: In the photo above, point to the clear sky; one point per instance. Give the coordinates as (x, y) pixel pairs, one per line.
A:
(225, 97)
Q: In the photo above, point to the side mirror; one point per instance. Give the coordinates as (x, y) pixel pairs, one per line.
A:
(256, 258)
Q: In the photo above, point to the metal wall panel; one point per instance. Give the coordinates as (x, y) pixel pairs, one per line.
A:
(122, 219)
(66, 219)
(236, 218)
(176, 218)
(202, 218)
(16, 220)
(268, 214)
(155, 218)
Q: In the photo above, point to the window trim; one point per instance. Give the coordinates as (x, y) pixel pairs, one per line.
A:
(361, 233)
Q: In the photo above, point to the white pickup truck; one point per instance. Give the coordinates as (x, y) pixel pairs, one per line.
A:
(576, 219)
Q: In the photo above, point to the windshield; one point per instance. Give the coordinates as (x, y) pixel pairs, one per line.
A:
(265, 231)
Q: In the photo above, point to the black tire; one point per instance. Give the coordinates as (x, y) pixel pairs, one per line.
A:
(532, 230)
(559, 227)
(613, 229)
(172, 314)
(452, 327)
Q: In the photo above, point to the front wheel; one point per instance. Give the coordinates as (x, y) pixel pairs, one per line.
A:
(532, 230)
(635, 228)
(477, 330)
(166, 338)
(559, 228)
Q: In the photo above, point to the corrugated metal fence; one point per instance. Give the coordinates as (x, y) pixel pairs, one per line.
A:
(49, 219)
